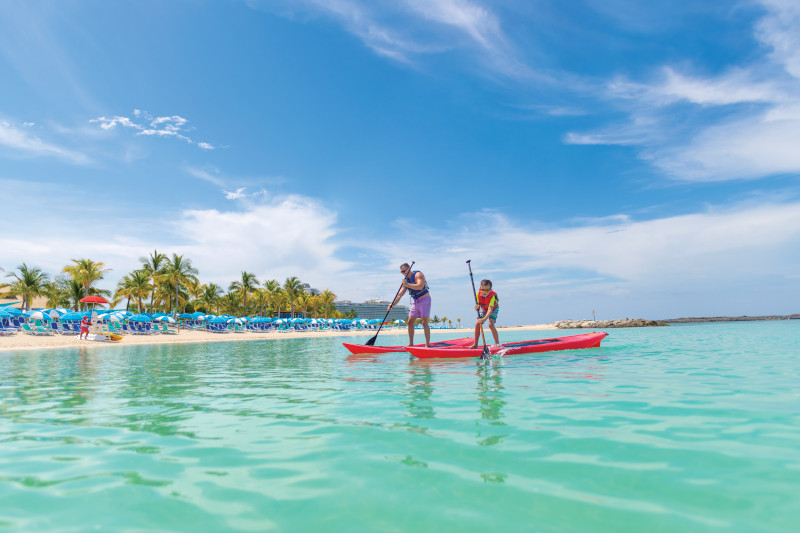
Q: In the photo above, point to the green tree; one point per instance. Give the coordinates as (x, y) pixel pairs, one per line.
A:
(279, 299)
(328, 297)
(30, 282)
(271, 288)
(135, 286)
(153, 265)
(176, 272)
(293, 288)
(209, 299)
(248, 283)
(86, 272)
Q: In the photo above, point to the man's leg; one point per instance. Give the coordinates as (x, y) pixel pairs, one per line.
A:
(427, 330)
(411, 321)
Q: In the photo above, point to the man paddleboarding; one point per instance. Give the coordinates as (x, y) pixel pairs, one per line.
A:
(414, 283)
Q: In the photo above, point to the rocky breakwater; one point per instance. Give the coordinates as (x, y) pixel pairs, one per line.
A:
(602, 324)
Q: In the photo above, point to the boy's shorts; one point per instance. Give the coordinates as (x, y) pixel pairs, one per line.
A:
(420, 308)
(493, 316)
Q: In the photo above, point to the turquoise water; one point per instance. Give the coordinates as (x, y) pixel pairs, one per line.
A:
(686, 428)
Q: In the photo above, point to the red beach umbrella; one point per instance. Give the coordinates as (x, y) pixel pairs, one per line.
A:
(94, 300)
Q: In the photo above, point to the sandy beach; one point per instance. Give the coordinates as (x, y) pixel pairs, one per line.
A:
(23, 341)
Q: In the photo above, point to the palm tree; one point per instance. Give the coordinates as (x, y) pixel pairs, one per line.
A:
(153, 265)
(315, 303)
(327, 300)
(176, 272)
(271, 288)
(74, 294)
(279, 299)
(57, 292)
(302, 303)
(247, 283)
(136, 286)
(210, 296)
(293, 288)
(260, 300)
(30, 282)
(229, 303)
(194, 289)
(86, 272)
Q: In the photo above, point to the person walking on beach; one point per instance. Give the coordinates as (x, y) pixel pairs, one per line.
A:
(85, 323)
(414, 282)
(488, 306)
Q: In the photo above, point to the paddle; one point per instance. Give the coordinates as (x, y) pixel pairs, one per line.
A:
(371, 342)
(485, 354)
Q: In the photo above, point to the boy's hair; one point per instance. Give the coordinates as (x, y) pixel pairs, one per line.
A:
(486, 283)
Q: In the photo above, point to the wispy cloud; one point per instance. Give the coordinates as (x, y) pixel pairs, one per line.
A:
(407, 30)
(740, 124)
(144, 124)
(22, 142)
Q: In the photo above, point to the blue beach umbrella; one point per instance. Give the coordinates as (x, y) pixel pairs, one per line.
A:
(141, 317)
(13, 311)
(167, 319)
(69, 317)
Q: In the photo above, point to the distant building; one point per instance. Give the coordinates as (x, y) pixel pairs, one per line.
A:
(308, 290)
(373, 308)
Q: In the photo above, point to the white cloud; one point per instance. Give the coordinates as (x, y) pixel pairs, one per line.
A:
(405, 30)
(24, 143)
(741, 124)
(681, 265)
(144, 124)
(235, 195)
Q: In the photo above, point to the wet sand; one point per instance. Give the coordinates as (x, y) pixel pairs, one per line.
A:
(24, 341)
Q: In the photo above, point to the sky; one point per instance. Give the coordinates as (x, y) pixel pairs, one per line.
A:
(617, 157)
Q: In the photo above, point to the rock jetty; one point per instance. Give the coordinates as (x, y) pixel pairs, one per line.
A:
(600, 324)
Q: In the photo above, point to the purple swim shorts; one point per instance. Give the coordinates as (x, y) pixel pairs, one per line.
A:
(420, 308)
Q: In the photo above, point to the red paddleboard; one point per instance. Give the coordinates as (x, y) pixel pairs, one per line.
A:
(573, 342)
(363, 348)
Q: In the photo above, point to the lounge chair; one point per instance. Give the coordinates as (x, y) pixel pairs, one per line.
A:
(34, 330)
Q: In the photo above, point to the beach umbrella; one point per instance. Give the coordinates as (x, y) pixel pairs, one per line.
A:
(37, 315)
(234, 321)
(218, 320)
(141, 317)
(94, 299)
(13, 311)
(167, 319)
(74, 316)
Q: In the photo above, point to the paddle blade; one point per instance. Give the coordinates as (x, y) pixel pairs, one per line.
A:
(371, 342)
(485, 354)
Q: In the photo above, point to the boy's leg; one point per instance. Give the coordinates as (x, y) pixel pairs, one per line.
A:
(477, 334)
(494, 331)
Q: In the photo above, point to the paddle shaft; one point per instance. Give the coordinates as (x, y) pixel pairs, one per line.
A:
(485, 353)
(371, 342)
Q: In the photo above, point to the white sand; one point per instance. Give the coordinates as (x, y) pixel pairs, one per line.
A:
(24, 341)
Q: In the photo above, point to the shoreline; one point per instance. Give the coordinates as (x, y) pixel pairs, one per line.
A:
(22, 341)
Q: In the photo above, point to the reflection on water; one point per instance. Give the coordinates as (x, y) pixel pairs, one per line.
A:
(299, 435)
(419, 390)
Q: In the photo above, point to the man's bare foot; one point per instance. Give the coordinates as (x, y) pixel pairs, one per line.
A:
(471, 347)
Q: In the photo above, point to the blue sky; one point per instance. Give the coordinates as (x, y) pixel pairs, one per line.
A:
(612, 156)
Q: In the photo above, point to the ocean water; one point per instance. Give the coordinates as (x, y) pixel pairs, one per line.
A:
(686, 428)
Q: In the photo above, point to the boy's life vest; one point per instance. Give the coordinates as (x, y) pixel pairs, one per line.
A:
(490, 300)
(416, 293)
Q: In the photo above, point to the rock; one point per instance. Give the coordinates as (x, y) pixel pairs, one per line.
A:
(602, 324)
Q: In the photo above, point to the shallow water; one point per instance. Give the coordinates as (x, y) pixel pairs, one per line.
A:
(686, 428)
